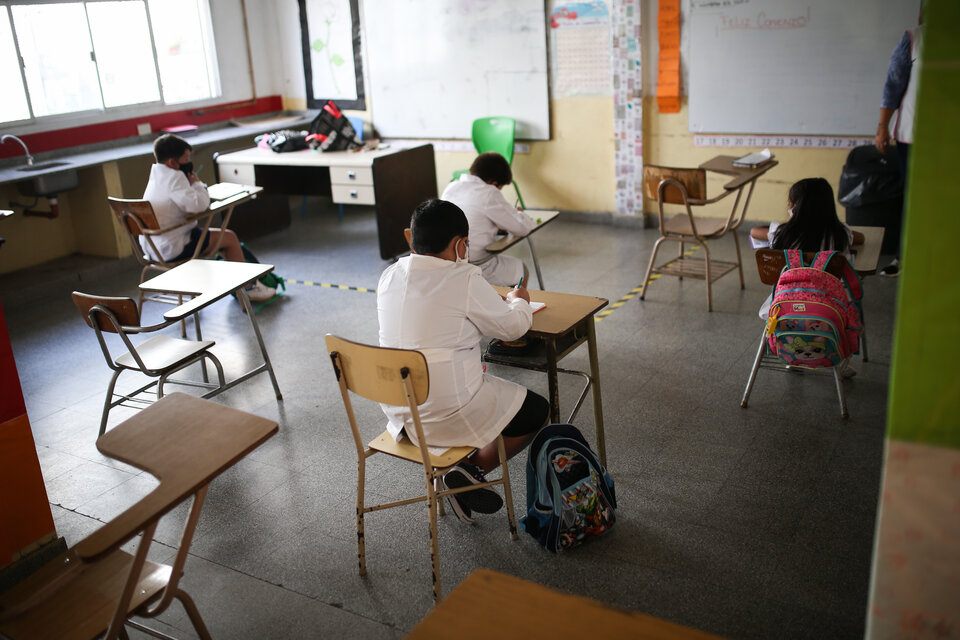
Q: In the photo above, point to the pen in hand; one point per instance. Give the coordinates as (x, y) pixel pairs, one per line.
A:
(519, 283)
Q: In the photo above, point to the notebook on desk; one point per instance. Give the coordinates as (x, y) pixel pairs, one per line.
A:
(752, 160)
(224, 190)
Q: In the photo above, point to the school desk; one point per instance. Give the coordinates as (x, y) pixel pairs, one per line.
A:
(209, 281)
(867, 254)
(541, 218)
(564, 324)
(184, 442)
(489, 604)
(394, 180)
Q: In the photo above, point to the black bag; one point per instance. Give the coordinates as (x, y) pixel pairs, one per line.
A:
(332, 131)
(870, 177)
(283, 141)
(271, 279)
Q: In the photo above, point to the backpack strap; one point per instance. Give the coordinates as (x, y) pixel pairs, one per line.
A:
(822, 259)
(794, 258)
(851, 279)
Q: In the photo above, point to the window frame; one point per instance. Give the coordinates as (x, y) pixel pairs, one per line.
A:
(85, 117)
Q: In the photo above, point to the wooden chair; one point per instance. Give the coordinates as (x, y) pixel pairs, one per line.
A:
(157, 358)
(770, 263)
(399, 377)
(688, 187)
(95, 587)
(138, 219)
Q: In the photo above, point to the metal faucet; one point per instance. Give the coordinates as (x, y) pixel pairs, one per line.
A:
(22, 144)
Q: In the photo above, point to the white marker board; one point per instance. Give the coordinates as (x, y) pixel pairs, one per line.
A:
(783, 66)
(436, 66)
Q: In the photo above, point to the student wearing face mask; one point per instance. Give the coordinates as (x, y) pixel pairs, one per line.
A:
(175, 192)
(435, 301)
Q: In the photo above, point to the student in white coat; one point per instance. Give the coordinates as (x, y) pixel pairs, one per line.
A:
(478, 195)
(436, 302)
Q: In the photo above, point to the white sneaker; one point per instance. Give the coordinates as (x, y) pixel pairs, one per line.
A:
(259, 292)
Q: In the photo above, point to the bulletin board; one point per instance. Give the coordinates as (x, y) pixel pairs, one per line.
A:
(435, 66)
(781, 66)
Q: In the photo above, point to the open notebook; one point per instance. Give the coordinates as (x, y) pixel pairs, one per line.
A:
(224, 190)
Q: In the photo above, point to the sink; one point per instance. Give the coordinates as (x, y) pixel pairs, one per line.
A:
(48, 184)
(44, 165)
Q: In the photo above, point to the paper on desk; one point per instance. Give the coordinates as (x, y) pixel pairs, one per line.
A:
(754, 159)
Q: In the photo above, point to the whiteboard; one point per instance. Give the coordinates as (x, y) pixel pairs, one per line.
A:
(436, 66)
(782, 66)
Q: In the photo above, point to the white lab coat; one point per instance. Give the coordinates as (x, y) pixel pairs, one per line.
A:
(173, 198)
(487, 212)
(442, 308)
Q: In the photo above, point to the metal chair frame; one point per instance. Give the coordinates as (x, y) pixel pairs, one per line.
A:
(400, 377)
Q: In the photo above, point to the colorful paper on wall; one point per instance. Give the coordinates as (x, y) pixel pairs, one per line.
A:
(581, 49)
(628, 105)
(668, 65)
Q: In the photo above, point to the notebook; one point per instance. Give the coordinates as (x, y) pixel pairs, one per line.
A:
(537, 306)
(224, 190)
(754, 159)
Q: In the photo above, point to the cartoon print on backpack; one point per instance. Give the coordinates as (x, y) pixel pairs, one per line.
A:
(808, 353)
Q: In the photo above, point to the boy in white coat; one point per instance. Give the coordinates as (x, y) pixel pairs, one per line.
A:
(436, 302)
(478, 195)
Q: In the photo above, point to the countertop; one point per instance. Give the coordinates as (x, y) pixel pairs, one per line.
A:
(95, 155)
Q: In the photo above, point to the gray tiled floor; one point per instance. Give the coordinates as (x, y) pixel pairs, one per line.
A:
(749, 523)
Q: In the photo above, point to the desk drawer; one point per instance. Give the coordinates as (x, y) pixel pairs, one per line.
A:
(351, 175)
(352, 194)
(238, 173)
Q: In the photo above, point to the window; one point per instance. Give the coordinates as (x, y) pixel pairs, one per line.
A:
(71, 57)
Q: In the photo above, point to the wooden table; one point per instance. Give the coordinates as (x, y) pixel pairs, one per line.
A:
(565, 324)
(209, 281)
(488, 605)
(394, 180)
(867, 255)
(184, 442)
(541, 218)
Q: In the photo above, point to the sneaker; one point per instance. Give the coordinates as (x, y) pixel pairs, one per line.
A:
(480, 500)
(259, 292)
(892, 270)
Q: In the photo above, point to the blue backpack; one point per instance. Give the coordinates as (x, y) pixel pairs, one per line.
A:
(570, 496)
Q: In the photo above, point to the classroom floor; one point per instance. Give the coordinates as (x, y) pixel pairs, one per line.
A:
(747, 523)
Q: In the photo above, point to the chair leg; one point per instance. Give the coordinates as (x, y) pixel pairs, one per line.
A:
(108, 402)
(437, 481)
(736, 243)
(756, 367)
(706, 257)
(653, 257)
(434, 543)
(516, 188)
(507, 492)
(361, 547)
(680, 257)
(193, 613)
(840, 393)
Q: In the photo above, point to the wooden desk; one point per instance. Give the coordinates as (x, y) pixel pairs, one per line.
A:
(183, 441)
(565, 324)
(488, 604)
(393, 180)
(741, 175)
(867, 255)
(541, 218)
(209, 281)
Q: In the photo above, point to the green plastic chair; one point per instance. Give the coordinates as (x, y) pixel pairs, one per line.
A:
(494, 133)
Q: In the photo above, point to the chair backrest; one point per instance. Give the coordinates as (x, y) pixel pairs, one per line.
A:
(131, 212)
(124, 311)
(494, 134)
(694, 182)
(376, 373)
(770, 262)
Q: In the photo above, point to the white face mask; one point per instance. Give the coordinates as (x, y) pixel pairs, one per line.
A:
(466, 252)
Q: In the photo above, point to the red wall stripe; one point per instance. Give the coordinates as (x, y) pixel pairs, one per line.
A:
(119, 129)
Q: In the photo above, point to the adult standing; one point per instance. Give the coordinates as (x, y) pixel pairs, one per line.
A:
(900, 97)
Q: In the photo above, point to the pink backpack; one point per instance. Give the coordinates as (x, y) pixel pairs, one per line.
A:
(815, 317)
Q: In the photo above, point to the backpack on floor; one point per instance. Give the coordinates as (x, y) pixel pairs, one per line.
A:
(814, 318)
(271, 279)
(570, 496)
